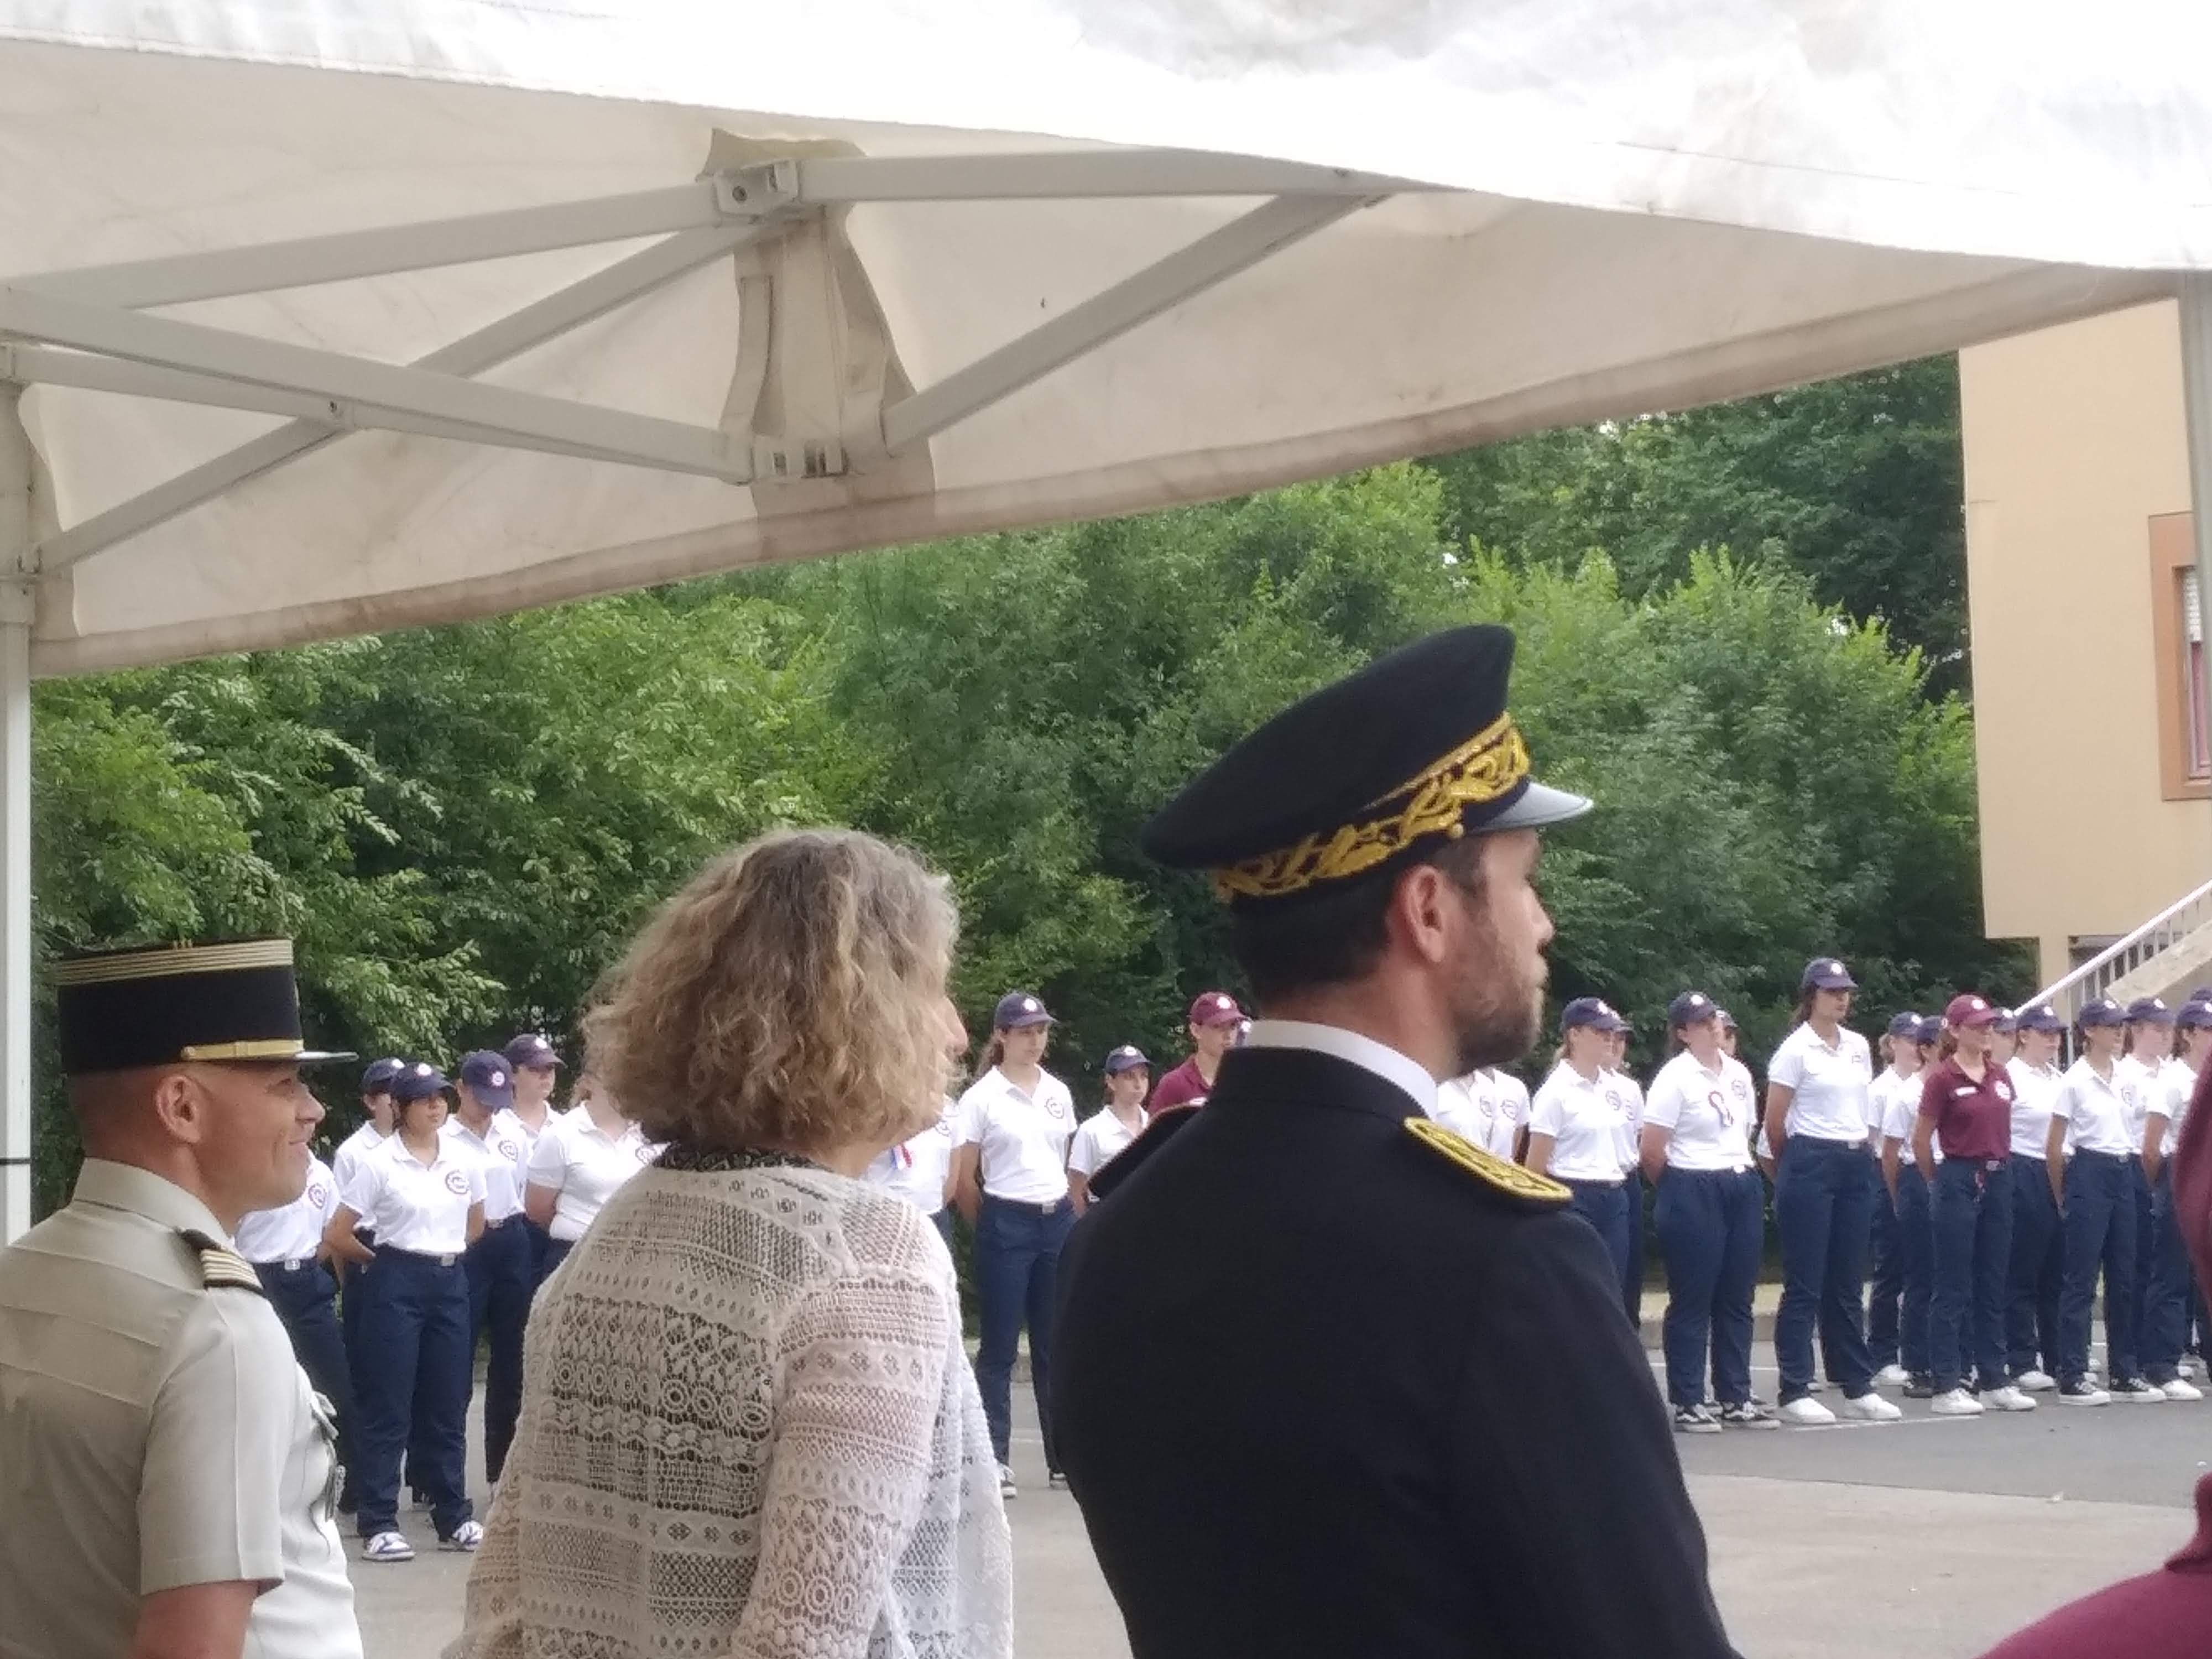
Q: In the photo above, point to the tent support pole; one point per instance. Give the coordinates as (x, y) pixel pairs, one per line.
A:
(15, 616)
(2195, 294)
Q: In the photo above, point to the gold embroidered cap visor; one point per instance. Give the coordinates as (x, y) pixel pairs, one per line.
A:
(235, 1001)
(1364, 775)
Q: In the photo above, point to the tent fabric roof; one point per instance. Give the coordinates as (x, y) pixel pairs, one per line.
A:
(1600, 207)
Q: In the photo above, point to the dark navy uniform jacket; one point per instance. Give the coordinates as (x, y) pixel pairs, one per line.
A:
(1320, 1389)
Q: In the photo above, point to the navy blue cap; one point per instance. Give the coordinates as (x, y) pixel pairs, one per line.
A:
(1931, 1030)
(1018, 1010)
(2150, 1010)
(1127, 1057)
(1826, 974)
(418, 1080)
(2008, 1024)
(489, 1078)
(2194, 1012)
(530, 1051)
(376, 1077)
(1727, 1020)
(1690, 1008)
(1595, 1013)
(2039, 1017)
(2102, 1011)
(1906, 1025)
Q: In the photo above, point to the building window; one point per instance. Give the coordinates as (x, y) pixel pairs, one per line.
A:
(2178, 648)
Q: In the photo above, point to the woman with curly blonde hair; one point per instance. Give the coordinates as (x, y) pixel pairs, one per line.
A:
(749, 1424)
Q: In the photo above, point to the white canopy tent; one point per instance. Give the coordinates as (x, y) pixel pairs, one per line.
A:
(320, 316)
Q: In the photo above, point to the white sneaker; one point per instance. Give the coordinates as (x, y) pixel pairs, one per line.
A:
(388, 1547)
(1818, 1385)
(2034, 1382)
(1807, 1412)
(2007, 1398)
(2187, 1367)
(1893, 1377)
(2179, 1390)
(467, 1537)
(1872, 1408)
(1955, 1403)
(1005, 1480)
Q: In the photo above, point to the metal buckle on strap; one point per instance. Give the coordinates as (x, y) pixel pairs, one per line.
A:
(297, 1262)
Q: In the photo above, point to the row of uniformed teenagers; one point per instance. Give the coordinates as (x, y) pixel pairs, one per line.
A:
(1990, 1187)
(442, 1213)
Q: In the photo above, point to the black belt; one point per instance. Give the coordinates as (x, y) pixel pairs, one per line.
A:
(1053, 1208)
(515, 1220)
(293, 1264)
(449, 1259)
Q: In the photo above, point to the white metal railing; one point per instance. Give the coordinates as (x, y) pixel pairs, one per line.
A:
(2122, 956)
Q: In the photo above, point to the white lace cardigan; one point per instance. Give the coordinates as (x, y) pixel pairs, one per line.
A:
(749, 1428)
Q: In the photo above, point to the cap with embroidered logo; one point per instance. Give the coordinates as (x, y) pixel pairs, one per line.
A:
(1826, 974)
(486, 1074)
(1592, 1013)
(1967, 1011)
(532, 1051)
(2102, 1011)
(1018, 1011)
(1215, 1008)
(2150, 1010)
(376, 1077)
(418, 1080)
(1690, 1008)
(2039, 1017)
(1127, 1057)
(1906, 1025)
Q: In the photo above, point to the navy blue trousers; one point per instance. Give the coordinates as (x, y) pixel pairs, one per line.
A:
(1886, 1297)
(1915, 1235)
(554, 1253)
(502, 1271)
(2039, 1269)
(417, 1362)
(2100, 1233)
(305, 1300)
(2173, 1296)
(1711, 1224)
(1824, 1197)
(1633, 1278)
(1017, 1261)
(1972, 1211)
(1609, 1206)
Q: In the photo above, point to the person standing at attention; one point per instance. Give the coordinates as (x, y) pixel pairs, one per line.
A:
(1340, 1296)
(1482, 1107)
(2039, 1251)
(1966, 1100)
(377, 1111)
(1895, 1092)
(1826, 1186)
(535, 1064)
(1711, 1216)
(1101, 1136)
(1579, 1131)
(2165, 1322)
(501, 1261)
(1216, 1026)
(1010, 1179)
(2085, 1159)
(170, 1477)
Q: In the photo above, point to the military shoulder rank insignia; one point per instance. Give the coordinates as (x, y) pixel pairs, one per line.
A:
(1513, 1180)
(222, 1267)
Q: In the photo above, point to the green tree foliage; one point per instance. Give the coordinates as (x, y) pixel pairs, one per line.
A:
(461, 825)
(1856, 483)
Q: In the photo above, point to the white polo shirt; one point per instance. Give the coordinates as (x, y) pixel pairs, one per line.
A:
(585, 1166)
(1023, 1136)
(1482, 1107)
(503, 1148)
(1829, 1085)
(2177, 1086)
(294, 1233)
(355, 1147)
(1098, 1138)
(1897, 1104)
(1709, 1111)
(1588, 1120)
(2096, 1117)
(2034, 1091)
(2139, 1090)
(1633, 1092)
(418, 1206)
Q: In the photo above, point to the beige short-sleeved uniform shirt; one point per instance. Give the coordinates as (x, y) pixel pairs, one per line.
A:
(156, 1432)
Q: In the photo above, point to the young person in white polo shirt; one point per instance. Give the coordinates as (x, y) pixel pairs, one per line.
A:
(1711, 1217)
(288, 1256)
(1580, 1131)
(2038, 1240)
(502, 1261)
(1100, 1137)
(1894, 1093)
(1826, 1186)
(2090, 1166)
(2140, 1073)
(1010, 1179)
(1488, 1107)
(1908, 1197)
(2173, 1286)
(424, 1195)
(585, 1155)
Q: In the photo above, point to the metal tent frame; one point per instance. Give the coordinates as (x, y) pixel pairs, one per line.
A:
(89, 329)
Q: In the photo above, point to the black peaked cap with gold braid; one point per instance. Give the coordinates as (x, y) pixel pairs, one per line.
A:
(1362, 776)
(235, 1000)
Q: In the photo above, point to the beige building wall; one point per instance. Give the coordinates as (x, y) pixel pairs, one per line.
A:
(2075, 441)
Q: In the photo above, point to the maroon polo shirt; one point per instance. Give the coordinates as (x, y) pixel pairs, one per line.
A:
(1972, 1120)
(2165, 1614)
(1185, 1086)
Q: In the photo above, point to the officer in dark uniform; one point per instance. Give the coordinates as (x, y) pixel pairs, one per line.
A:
(1400, 1411)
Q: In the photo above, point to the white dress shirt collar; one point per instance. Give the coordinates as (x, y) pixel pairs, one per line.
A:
(1364, 1052)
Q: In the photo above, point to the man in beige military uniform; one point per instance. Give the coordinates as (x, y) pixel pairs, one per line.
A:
(170, 1476)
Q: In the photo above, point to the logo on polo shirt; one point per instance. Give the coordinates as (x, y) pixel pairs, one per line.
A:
(944, 1127)
(1055, 1109)
(507, 1150)
(315, 1194)
(456, 1183)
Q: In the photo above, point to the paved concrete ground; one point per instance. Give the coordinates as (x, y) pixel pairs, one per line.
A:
(1930, 1538)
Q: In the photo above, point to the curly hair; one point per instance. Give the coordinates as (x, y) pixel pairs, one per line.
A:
(790, 996)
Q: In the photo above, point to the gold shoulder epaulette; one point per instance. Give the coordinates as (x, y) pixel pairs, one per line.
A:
(222, 1267)
(1512, 1179)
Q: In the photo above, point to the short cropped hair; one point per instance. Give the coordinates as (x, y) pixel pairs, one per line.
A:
(790, 996)
(1335, 938)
